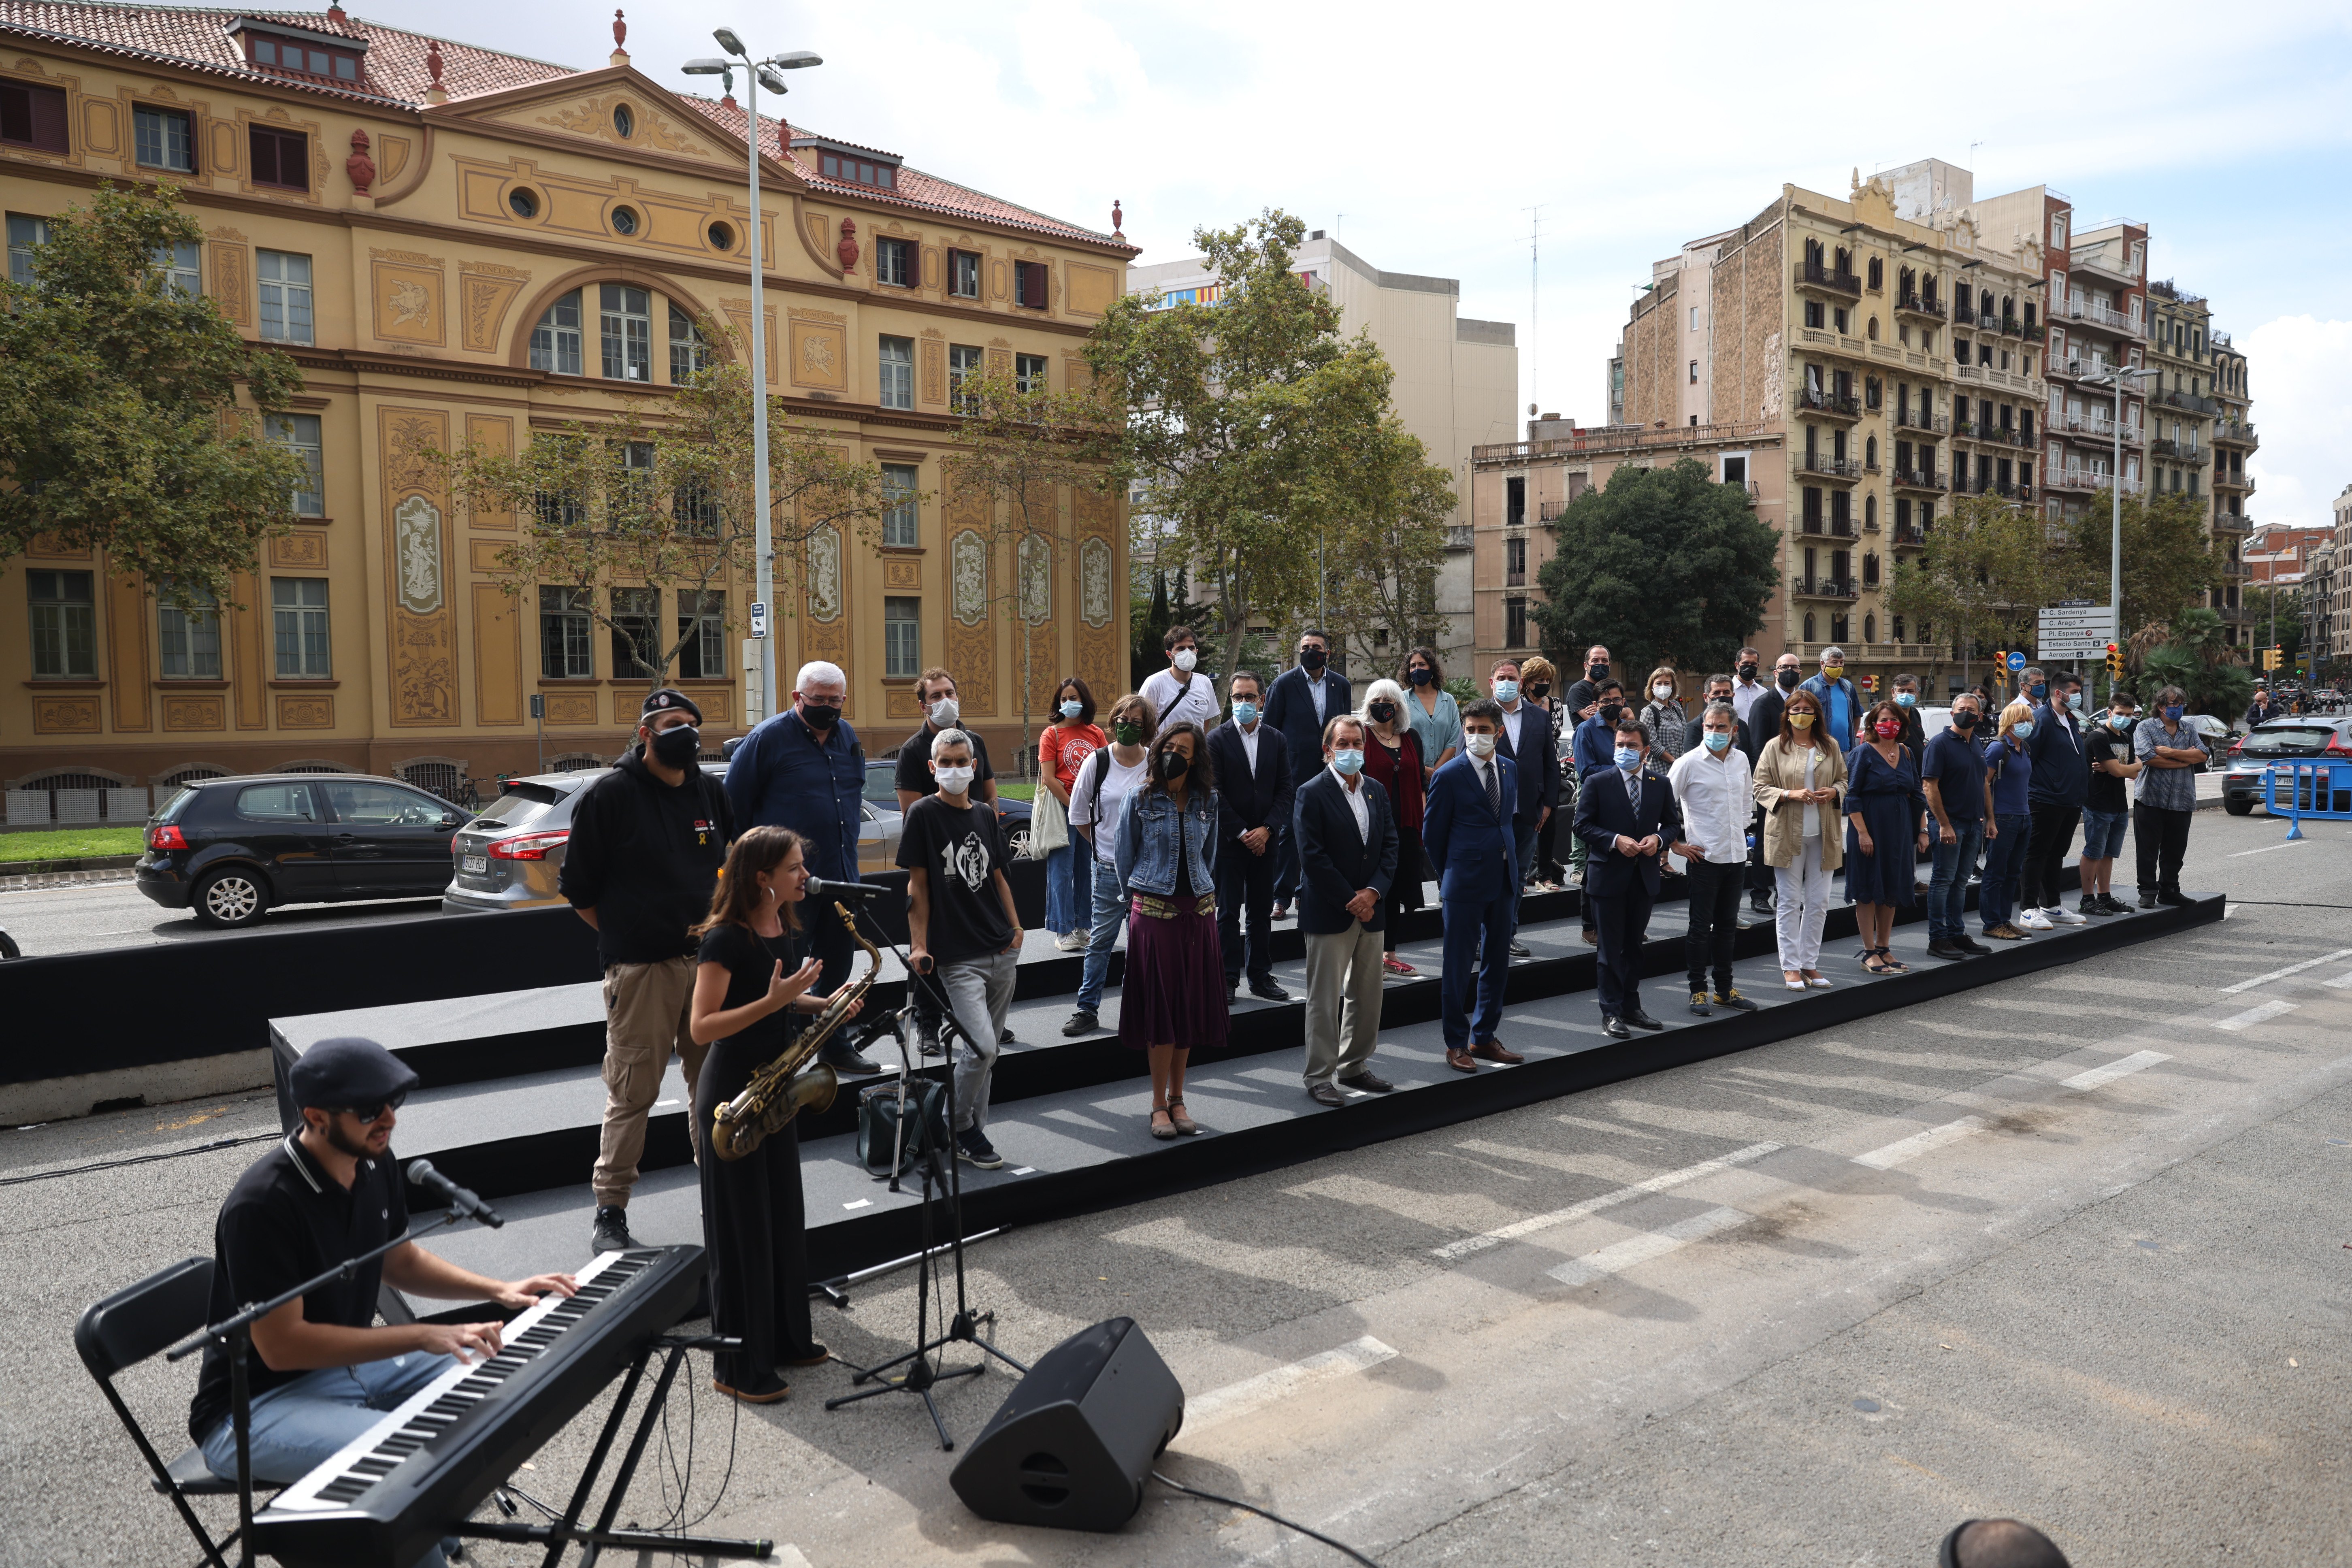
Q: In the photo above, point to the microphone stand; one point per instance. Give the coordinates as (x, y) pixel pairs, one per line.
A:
(921, 1374)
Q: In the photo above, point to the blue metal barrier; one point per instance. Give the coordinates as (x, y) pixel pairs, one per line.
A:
(2315, 789)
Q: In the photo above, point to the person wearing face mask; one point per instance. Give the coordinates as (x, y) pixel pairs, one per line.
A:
(2062, 782)
(1182, 693)
(1170, 1007)
(1468, 830)
(647, 841)
(1952, 776)
(1346, 861)
(1905, 690)
(1716, 793)
(1759, 727)
(1435, 717)
(1627, 820)
(1063, 749)
(1538, 682)
(1525, 737)
(935, 690)
(804, 769)
(962, 930)
(1253, 798)
(2009, 776)
(1887, 811)
(2109, 756)
(1591, 750)
(1799, 783)
(1750, 687)
(1097, 799)
(1303, 700)
(1582, 700)
(1664, 717)
(1393, 760)
(2172, 754)
(1840, 704)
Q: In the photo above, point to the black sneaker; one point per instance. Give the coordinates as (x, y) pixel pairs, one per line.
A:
(612, 1230)
(1698, 1004)
(2147, 898)
(1519, 950)
(1761, 903)
(1082, 1021)
(844, 1058)
(973, 1145)
(2115, 905)
(2093, 905)
(1945, 950)
(1971, 946)
(2175, 900)
(1267, 991)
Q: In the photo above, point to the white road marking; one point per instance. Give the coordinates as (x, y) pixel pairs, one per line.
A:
(2283, 973)
(1256, 1393)
(1620, 1256)
(2253, 1016)
(1023, 1171)
(2282, 844)
(1658, 1183)
(659, 1103)
(1919, 1144)
(2113, 1071)
(2341, 982)
(860, 1203)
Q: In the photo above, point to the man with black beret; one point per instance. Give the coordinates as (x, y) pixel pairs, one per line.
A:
(320, 1374)
(647, 841)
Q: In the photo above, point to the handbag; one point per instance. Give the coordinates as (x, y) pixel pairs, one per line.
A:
(877, 1124)
(1049, 824)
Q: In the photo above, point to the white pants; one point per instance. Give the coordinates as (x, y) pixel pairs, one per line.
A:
(1802, 908)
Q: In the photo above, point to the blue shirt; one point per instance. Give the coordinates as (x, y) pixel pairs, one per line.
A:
(782, 776)
(2012, 780)
(1957, 769)
(1595, 747)
(2062, 774)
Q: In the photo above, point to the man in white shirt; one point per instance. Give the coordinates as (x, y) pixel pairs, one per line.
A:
(1749, 687)
(1178, 693)
(1348, 847)
(1252, 765)
(1712, 784)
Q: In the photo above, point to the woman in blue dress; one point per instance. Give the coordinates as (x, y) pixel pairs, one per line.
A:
(1888, 813)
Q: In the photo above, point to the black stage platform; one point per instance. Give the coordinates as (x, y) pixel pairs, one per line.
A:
(1069, 1116)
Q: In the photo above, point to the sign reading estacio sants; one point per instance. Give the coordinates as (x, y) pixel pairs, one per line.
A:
(2075, 629)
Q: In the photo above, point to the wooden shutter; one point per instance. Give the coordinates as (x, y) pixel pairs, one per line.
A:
(281, 158)
(34, 117)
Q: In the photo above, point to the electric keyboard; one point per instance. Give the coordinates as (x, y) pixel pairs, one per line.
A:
(420, 1471)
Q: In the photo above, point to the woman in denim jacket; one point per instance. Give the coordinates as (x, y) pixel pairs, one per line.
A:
(1173, 999)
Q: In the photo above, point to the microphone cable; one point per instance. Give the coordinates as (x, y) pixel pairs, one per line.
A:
(1340, 1546)
(217, 1144)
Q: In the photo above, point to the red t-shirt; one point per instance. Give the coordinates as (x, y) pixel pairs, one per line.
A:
(1066, 751)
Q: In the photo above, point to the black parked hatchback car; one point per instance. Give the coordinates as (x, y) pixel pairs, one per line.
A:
(230, 848)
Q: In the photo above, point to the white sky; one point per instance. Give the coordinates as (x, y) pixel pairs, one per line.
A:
(1420, 135)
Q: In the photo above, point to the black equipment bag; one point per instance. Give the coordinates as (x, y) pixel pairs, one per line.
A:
(877, 1124)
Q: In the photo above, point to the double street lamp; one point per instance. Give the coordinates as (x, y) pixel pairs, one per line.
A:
(759, 74)
(2116, 378)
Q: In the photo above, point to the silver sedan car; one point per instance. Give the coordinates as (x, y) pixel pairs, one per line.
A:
(510, 855)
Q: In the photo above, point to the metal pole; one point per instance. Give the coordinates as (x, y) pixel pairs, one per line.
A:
(2115, 532)
(765, 550)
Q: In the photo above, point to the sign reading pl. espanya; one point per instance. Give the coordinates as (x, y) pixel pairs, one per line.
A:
(2075, 629)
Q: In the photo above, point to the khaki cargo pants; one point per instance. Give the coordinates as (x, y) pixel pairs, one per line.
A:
(646, 1009)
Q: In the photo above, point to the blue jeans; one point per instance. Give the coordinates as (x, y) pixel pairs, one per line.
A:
(1069, 887)
(1948, 892)
(2004, 863)
(299, 1424)
(1108, 919)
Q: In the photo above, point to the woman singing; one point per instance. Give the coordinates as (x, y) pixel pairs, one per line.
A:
(748, 993)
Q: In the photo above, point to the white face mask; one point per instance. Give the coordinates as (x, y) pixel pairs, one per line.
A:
(1481, 746)
(944, 712)
(1185, 660)
(954, 780)
(1662, 692)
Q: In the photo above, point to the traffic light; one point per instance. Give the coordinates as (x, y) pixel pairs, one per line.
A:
(2001, 666)
(2272, 658)
(2115, 661)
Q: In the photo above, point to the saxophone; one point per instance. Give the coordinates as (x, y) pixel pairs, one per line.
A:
(790, 1084)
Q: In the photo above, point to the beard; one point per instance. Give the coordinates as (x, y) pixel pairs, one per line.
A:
(359, 1148)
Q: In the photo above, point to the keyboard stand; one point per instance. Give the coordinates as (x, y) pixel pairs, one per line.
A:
(561, 1533)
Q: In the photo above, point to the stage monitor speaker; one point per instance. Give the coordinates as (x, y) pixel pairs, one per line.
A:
(1073, 1443)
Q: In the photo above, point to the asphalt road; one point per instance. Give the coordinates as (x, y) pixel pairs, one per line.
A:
(78, 917)
(2072, 1249)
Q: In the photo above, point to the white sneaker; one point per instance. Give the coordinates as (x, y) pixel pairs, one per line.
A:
(2031, 919)
(1085, 934)
(2064, 916)
(1070, 942)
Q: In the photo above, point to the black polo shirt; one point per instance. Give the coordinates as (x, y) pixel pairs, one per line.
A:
(287, 1220)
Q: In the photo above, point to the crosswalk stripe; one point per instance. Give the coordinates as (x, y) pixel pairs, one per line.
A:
(1658, 1183)
(1620, 1256)
(2124, 1068)
(1919, 1144)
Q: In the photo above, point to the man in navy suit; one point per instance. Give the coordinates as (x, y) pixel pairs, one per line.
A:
(1254, 796)
(1304, 699)
(1347, 837)
(1526, 738)
(1467, 826)
(1628, 823)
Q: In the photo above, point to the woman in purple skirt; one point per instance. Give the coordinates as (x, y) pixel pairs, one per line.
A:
(1173, 1000)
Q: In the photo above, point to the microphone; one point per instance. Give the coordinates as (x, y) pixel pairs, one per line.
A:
(818, 888)
(421, 1173)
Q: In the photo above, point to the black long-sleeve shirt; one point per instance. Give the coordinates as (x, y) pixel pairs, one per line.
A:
(645, 856)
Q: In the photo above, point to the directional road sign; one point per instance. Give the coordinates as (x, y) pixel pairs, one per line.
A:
(2016, 661)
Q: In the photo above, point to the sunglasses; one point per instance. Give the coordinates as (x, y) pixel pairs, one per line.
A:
(372, 1113)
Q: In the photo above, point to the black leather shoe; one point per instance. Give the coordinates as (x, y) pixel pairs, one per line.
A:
(1519, 950)
(1761, 903)
(1970, 946)
(847, 1060)
(1615, 1029)
(1267, 991)
(1325, 1094)
(1945, 950)
(1081, 1023)
(612, 1230)
(2146, 900)
(1642, 1021)
(2175, 900)
(1367, 1083)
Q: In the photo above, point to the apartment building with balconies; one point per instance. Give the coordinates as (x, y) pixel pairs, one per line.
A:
(2338, 640)
(1892, 342)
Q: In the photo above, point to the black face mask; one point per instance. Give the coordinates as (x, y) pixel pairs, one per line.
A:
(677, 746)
(1539, 690)
(1383, 712)
(1788, 680)
(1310, 658)
(1598, 672)
(1174, 765)
(1419, 675)
(820, 716)
(1747, 672)
(1964, 722)
(1610, 711)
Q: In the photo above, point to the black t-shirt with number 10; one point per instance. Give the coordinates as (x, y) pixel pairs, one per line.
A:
(960, 850)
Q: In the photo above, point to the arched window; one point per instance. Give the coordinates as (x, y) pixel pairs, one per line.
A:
(1877, 277)
(1814, 253)
(1870, 629)
(555, 342)
(1809, 625)
(1870, 460)
(1870, 503)
(1870, 576)
(1873, 321)
(1899, 629)
(1870, 392)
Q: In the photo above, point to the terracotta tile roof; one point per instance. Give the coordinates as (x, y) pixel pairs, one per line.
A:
(197, 37)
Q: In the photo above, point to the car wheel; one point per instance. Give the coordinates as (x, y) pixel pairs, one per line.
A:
(2238, 807)
(1017, 842)
(8, 948)
(229, 898)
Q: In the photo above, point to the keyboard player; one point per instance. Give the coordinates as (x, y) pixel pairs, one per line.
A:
(320, 1374)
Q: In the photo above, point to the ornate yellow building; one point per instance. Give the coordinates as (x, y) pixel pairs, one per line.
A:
(456, 245)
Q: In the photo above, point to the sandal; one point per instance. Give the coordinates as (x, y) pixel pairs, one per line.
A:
(1159, 1131)
(1878, 960)
(1794, 979)
(1181, 1117)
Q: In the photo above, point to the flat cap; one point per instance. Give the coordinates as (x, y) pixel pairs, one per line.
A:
(348, 1073)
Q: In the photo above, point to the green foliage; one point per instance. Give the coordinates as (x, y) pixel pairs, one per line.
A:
(1379, 565)
(1661, 564)
(119, 424)
(2282, 607)
(1465, 689)
(2168, 561)
(2197, 657)
(1983, 579)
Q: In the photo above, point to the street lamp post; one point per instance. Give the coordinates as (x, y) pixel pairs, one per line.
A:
(2115, 379)
(757, 73)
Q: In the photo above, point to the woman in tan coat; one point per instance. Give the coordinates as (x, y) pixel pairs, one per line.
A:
(1801, 785)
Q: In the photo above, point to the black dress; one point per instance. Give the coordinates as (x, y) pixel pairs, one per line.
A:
(754, 1227)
